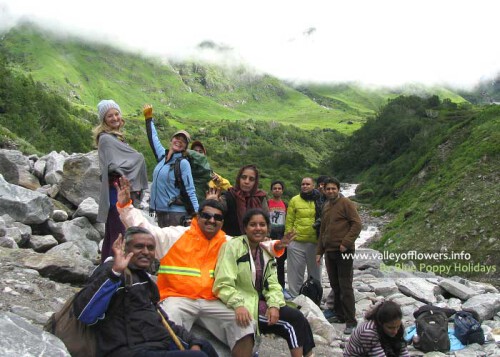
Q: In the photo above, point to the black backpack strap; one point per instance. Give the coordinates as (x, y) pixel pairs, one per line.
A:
(180, 185)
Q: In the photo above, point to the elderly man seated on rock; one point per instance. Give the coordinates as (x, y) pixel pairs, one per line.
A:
(120, 301)
(187, 263)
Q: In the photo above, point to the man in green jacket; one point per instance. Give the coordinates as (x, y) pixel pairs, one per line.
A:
(340, 226)
(301, 252)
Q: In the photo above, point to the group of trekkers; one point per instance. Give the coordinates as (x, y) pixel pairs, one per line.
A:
(221, 259)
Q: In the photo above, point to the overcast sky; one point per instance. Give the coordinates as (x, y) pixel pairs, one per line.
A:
(384, 42)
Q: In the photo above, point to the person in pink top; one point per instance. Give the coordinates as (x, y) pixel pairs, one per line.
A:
(277, 214)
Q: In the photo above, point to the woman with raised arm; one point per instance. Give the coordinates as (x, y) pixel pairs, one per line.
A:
(173, 202)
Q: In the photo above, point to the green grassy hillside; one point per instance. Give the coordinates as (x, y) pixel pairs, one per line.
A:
(452, 202)
(35, 119)
(84, 73)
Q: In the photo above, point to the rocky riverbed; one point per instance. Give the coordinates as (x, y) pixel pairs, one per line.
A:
(49, 244)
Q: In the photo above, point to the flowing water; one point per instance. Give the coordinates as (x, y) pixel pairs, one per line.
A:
(348, 190)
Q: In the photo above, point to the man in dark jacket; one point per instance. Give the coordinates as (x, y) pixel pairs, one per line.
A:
(340, 226)
(120, 301)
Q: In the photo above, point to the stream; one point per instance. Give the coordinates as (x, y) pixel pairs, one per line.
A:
(369, 229)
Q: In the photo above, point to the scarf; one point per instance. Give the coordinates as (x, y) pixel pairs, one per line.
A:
(246, 200)
(310, 196)
(118, 159)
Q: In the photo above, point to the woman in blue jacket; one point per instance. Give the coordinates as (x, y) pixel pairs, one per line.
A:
(172, 209)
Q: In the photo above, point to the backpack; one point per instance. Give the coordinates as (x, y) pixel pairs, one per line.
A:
(201, 172)
(312, 289)
(467, 328)
(432, 331)
(78, 337)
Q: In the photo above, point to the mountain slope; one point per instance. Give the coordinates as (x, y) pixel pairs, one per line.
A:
(85, 72)
(436, 166)
(451, 204)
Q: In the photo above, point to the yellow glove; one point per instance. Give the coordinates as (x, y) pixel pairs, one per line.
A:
(147, 110)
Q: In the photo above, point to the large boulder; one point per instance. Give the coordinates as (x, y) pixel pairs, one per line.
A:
(88, 208)
(69, 249)
(16, 169)
(18, 337)
(81, 178)
(419, 289)
(59, 266)
(23, 205)
(456, 289)
(486, 305)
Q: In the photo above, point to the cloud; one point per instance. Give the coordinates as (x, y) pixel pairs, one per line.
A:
(384, 42)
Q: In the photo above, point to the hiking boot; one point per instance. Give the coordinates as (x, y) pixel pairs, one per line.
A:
(349, 329)
(336, 320)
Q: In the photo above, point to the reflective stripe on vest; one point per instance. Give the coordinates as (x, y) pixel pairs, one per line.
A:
(173, 270)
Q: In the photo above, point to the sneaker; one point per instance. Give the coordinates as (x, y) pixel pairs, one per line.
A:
(329, 314)
(348, 330)
(287, 295)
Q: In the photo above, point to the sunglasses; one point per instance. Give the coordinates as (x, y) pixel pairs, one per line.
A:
(208, 216)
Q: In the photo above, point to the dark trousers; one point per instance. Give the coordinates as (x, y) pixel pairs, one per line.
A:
(168, 219)
(280, 266)
(339, 269)
(292, 326)
(280, 262)
(112, 229)
(162, 353)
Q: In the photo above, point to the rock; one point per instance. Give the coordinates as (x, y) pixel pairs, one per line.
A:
(8, 242)
(42, 244)
(39, 169)
(384, 288)
(88, 208)
(100, 227)
(54, 167)
(418, 288)
(86, 248)
(367, 258)
(486, 305)
(23, 205)
(81, 178)
(76, 229)
(319, 325)
(18, 337)
(56, 266)
(16, 169)
(59, 216)
(29, 314)
(456, 289)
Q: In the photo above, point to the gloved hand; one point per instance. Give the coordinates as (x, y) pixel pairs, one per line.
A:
(147, 110)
